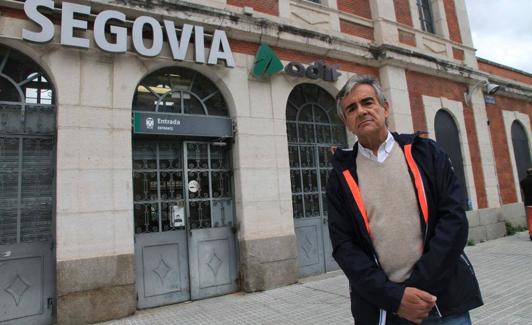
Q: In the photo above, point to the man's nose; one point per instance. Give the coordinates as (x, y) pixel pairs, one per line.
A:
(362, 110)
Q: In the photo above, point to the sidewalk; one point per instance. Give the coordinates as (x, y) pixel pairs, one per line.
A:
(503, 267)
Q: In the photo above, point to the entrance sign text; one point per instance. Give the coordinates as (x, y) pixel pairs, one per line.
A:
(70, 22)
(182, 124)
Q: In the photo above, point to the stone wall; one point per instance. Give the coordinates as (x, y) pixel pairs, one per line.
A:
(488, 224)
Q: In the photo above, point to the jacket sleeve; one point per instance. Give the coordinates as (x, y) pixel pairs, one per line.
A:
(450, 229)
(365, 277)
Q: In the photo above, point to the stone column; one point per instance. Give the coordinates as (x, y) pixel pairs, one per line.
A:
(266, 235)
(489, 170)
(383, 13)
(95, 249)
(393, 82)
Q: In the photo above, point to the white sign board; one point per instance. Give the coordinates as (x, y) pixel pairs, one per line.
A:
(72, 15)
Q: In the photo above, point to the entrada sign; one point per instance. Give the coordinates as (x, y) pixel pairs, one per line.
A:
(180, 124)
(114, 21)
(267, 62)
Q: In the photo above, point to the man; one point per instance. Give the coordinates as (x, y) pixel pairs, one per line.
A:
(526, 187)
(396, 222)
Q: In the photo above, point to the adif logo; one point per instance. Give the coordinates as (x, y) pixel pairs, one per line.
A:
(268, 63)
(149, 123)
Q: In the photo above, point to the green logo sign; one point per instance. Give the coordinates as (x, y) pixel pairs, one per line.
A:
(266, 61)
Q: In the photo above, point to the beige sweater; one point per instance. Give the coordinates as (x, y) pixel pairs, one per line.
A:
(390, 199)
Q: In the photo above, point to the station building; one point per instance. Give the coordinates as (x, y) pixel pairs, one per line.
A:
(154, 152)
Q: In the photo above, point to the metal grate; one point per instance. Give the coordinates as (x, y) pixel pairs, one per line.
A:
(313, 128)
(181, 91)
(425, 15)
(27, 149)
(160, 181)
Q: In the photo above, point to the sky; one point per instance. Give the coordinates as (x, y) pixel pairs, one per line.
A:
(502, 31)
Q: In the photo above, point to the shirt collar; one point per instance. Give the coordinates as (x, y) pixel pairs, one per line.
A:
(382, 153)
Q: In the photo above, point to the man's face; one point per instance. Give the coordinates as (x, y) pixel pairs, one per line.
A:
(364, 116)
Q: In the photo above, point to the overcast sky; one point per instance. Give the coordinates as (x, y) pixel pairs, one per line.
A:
(502, 31)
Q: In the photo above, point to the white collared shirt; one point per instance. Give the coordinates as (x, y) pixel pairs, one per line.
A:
(384, 150)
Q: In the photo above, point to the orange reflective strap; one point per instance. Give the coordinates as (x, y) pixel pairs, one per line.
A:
(358, 198)
(418, 183)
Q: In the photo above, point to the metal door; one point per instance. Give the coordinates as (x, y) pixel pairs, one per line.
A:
(161, 250)
(309, 172)
(210, 212)
(313, 128)
(184, 244)
(27, 192)
(448, 137)
(26, 247)
(521, 149)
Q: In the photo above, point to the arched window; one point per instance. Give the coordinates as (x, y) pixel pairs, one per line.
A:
(521, 149)
(179, 90)
(27, 135)
(313, 128)
(448, 137)
(183, 201)
(27, 191)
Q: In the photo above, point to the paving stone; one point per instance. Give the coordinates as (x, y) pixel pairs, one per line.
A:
(503, 267)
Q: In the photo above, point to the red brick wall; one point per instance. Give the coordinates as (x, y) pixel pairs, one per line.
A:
(355, 7)
(500, 145)
(407, 38)
(305, 58)
(356, 29)
(420, 84)
(402, 12)
(270, 7)
(458, 54)
(492, 69)
(452, 21)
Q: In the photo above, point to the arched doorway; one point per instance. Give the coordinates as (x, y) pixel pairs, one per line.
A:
(182, 189)
(313, 128)
(27, 190)
(521, 150)
(448, 137)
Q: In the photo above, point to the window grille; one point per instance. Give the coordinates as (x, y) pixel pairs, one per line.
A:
(425, 15)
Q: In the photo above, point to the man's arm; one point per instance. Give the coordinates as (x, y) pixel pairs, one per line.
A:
(450, 233)
(366, 278)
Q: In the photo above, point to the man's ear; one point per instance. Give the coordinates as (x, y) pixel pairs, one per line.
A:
(386, 108)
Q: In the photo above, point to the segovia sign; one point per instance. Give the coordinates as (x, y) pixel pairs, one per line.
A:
(267, 62)
(74, 19)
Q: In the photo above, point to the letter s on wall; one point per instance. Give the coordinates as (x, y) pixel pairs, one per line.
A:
(47, 27)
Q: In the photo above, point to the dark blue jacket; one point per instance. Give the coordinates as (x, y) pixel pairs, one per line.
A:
(443, 270)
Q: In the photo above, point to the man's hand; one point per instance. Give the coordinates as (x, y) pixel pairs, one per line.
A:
(416, 305)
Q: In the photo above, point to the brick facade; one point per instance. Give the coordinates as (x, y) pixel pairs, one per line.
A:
(500, 145)
(452, 21)
(505, 73)
(357, 8)
(356, 29)
(421, 84)
(402, 12)
(270, 7)
(407, 38)
(292, 55)
(458, 54)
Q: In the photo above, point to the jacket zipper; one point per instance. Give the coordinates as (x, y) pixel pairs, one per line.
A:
(469, 266)
(382, 312)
